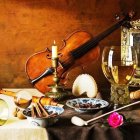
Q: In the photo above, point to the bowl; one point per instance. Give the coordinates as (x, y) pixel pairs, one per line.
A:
(86, 104)
(44, 121)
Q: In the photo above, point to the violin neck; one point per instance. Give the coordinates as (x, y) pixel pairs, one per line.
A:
(83, 49)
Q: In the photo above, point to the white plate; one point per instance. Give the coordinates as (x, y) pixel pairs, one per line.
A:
(94, 104)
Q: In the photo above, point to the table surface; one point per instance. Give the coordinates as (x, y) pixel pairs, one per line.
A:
(15, 129)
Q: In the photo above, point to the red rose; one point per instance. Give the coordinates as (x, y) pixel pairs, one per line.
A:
(115, 120)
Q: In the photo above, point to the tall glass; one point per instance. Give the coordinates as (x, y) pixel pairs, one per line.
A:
(4, 112)
(119, 68)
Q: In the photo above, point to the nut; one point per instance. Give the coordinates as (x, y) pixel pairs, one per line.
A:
(20, 115)
(15, 111)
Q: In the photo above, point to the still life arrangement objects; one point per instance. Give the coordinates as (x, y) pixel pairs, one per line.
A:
(80, 122)
(47, 71)
(38, 104)
(119, 72)
(43, 116)
(86, 104)
(78, 49)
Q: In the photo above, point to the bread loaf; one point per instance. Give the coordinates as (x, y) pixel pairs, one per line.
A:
(45, 101)
(135, 94)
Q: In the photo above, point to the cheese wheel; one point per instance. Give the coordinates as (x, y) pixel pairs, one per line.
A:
(85, 83)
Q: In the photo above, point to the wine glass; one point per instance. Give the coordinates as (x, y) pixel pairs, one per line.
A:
(4, 112)
(119, 67)
(23, 99)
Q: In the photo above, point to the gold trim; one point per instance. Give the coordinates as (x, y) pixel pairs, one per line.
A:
(125, 41)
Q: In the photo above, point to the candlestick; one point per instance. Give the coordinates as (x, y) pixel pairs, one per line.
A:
(57, 91)
(54, 51)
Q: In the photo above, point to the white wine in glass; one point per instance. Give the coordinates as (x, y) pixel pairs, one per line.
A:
(119, 70)
(4, 112)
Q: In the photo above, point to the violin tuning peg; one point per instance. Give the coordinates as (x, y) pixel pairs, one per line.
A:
(117, 17)
(131, 14)
(127, 25)
(120, 15)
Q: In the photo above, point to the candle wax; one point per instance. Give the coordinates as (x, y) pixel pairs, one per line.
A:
(54, 51)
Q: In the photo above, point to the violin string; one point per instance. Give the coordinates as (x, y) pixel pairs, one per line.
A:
(80, 51)
(92, 43)
(86, 47)
(66, 62)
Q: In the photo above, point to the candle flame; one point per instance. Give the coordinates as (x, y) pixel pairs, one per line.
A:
(54, 42)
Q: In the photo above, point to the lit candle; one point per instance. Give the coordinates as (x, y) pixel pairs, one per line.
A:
(54, 51)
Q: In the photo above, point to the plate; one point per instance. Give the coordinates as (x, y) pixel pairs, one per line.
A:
(87, 104)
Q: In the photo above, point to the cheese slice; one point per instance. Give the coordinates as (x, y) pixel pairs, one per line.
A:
(85, 83)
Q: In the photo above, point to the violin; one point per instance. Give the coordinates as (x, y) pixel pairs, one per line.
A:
(78, 48)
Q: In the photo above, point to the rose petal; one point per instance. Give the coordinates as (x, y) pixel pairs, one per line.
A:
(115, 119)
